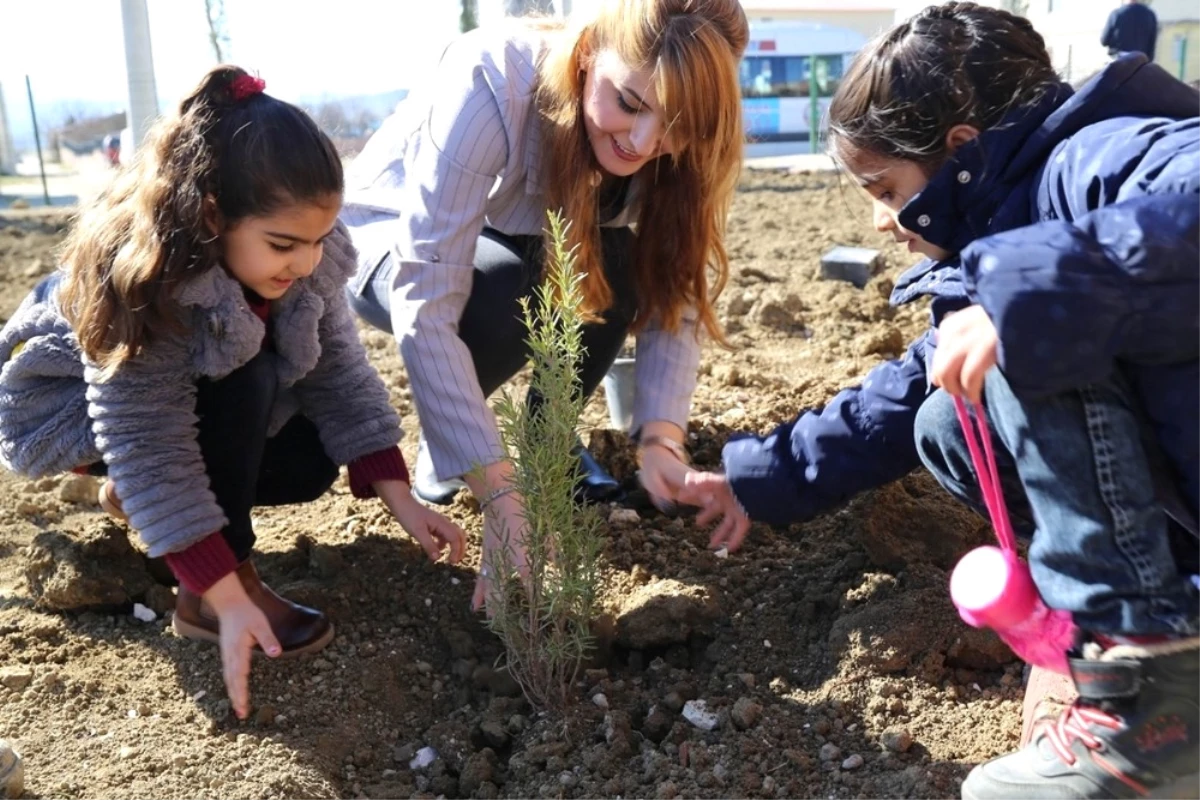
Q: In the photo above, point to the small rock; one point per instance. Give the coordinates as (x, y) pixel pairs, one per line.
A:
(265, 716)
(424, 757)
(600, 700)
(12, 771)
(494, 733)
(424, 667)
(722, 552)
(503, 684)
(81, 489)
(747, 679)
(403, 753)
(768, 785)
(898, 740)
(159, 599)
(144, 614)
(853, 762)
(697, 713)
(657, 725)
(461, 643)
(479, 769)
(830, 752)
(125, 752)
(16, 678)
(623, 517)
(666, 790)
(674, 702)
(745, 713)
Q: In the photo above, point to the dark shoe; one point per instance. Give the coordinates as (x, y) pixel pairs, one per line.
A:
(593, 484)
(426, 485)
(1133, 732)
(300, 630)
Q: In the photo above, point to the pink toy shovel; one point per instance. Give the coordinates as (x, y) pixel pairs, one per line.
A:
(991, 586)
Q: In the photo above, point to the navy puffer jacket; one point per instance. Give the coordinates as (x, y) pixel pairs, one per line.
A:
(1076, 224)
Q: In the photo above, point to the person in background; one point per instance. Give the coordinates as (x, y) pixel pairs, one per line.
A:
(1132, 27)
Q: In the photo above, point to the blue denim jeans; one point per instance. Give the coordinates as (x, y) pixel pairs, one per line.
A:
(1080, 477)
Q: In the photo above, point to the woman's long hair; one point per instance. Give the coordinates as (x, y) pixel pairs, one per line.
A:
(692, 48)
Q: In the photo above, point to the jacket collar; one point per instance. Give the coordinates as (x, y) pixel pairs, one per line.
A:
(224, 332)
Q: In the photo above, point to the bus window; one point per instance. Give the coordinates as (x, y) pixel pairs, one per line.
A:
(775, 76)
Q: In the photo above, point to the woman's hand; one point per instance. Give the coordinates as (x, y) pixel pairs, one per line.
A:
(504, 529)
(714, 496)
(243, 625)
(435, 533)
(966, 349)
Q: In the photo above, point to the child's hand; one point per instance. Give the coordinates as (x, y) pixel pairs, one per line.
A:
(662, 474)
(714, 496)
(242, 625)
(435, 533)
(966, 350)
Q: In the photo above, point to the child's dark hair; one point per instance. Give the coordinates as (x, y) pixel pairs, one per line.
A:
(949, 64)
(228, 148)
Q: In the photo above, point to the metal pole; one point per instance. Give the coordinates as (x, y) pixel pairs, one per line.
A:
(37, 140)
(814, 111)
(139, 70)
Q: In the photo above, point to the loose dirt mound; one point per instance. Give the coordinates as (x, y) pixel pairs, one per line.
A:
(828, 654)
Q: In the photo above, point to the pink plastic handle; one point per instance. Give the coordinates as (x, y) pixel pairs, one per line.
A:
(985, 468)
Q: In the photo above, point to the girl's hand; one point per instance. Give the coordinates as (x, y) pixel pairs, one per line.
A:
(504, 529)
(714, 496)
(242, 625)
(662, 474)
(435, 533)
(966, 350)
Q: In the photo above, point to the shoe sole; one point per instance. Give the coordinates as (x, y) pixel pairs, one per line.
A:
(1185, 788)
(187, 630)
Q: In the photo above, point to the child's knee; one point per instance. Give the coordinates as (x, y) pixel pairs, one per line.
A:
(936, 430)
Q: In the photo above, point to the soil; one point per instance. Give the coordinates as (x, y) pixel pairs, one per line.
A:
(827, 654)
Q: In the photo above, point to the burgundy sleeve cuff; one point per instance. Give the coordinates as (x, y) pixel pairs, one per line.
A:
(203, 564)
(382, 465)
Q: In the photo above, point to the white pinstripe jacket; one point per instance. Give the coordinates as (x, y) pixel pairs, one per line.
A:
(460, 153)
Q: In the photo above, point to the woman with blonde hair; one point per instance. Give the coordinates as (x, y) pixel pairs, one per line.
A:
(628, 118)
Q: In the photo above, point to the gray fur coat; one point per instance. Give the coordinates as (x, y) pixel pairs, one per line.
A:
(55, 413)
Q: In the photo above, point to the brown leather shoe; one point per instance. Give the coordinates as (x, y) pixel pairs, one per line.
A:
(300, 630)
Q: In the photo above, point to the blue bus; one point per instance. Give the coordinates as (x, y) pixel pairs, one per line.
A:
(790, 71)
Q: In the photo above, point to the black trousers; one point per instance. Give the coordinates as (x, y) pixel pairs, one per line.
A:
(508, 268)
(246, 468)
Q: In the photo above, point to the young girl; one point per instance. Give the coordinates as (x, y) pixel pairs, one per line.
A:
(197, 349)
(1060, 230)
(630, 115)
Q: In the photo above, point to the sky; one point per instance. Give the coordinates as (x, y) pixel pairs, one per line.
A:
(73, 50)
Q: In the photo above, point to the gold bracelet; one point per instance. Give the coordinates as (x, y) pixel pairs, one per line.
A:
(662, 441)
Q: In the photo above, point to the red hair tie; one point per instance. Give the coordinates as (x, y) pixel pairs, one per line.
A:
(244, 86)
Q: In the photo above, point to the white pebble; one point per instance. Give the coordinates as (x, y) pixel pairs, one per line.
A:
(455, 581)
(767, 643)
(853, 762)
(600, 700)
(697, 713)
(143, 613)
(723, 552)
(424, 757)
(198, 696)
